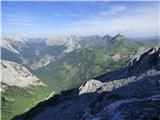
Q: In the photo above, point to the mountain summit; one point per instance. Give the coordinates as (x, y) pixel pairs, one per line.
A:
(128, 93)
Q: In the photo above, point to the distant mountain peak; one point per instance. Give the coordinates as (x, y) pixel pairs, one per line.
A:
(117, 37)
(107, 38)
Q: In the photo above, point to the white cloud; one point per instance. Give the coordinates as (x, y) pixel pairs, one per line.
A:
(20, 23)
(140, 21)
(67, 14)
(19, 19)
(114, 10)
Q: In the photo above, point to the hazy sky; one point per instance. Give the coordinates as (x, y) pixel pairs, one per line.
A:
(80, 18)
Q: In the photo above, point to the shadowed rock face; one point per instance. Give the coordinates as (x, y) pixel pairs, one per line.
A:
(148, 60)
(131, 93)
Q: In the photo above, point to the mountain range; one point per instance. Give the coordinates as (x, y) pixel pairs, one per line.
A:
(35, 69)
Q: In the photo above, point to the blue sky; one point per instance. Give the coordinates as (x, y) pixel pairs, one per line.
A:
(79, 18)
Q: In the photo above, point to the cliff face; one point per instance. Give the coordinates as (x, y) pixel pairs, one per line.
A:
(130, 93)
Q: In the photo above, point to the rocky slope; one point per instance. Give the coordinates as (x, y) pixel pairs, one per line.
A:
(20, 89)
(14, 74)
(130, 93)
